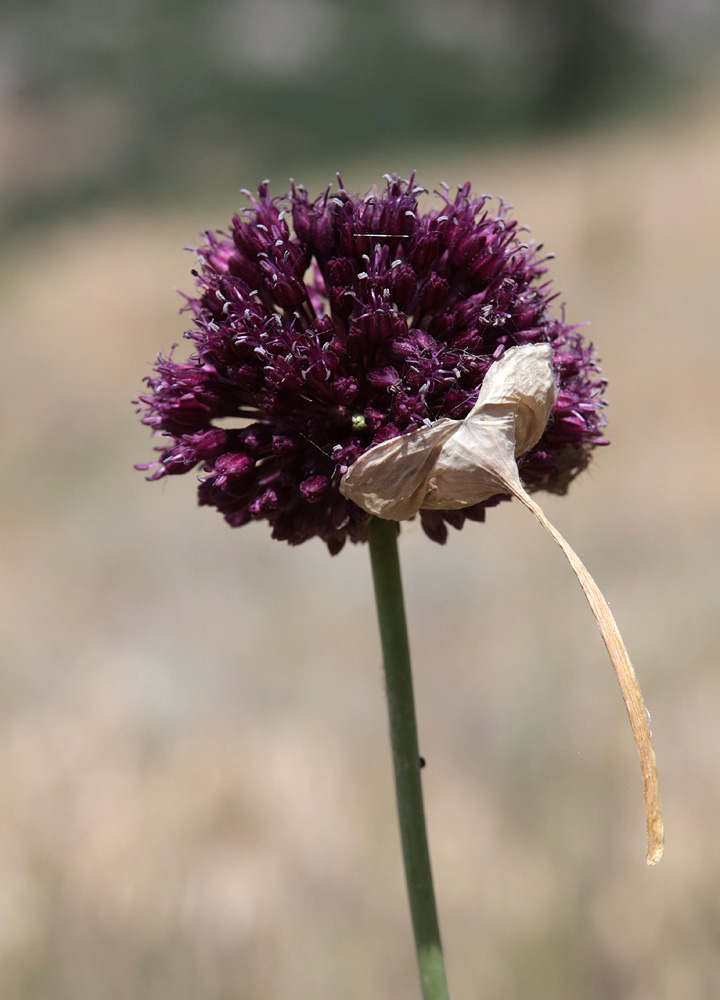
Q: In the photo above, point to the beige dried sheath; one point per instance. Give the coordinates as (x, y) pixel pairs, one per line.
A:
(457, 463)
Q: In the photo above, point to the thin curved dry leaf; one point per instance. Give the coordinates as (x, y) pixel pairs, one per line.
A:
(627, 679)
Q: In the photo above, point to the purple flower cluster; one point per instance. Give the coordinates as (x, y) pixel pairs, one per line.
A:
(324, 327)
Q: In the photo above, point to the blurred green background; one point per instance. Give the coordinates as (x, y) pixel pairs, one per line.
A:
(195, 784)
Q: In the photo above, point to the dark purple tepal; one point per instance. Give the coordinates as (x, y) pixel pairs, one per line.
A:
(328, 326)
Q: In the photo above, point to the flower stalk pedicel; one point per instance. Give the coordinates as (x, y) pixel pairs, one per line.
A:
(382, 538)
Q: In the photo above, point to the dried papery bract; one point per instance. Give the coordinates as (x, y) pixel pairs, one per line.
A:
(391, 479)
(452, 464)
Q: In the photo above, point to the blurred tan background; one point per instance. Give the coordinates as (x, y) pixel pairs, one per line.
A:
(195, 784)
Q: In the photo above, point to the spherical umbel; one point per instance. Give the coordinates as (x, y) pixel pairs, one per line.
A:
(327, 326)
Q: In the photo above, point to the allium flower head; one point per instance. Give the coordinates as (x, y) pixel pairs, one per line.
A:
(326, 327)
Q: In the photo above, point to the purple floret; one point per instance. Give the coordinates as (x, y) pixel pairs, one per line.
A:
(324, 327)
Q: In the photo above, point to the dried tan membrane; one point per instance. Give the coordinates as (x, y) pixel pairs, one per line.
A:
(452, 464)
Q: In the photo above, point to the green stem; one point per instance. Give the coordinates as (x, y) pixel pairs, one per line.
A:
(382, 536)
